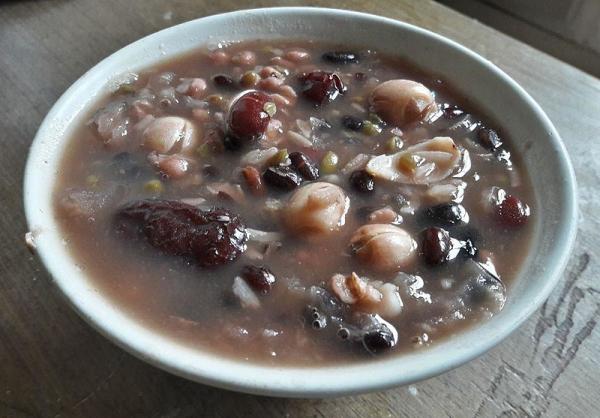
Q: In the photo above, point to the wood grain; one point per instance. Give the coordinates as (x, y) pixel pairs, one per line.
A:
(53, 364)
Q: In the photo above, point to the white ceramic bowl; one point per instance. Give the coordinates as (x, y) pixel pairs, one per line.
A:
(486, 85)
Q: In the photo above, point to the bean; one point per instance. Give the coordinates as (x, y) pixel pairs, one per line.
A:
(362, 181)
(304, 166)
(282, 177)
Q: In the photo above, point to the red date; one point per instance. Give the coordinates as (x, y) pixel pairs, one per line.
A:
(210, 237)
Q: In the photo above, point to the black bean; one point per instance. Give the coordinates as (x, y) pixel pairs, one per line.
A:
(435, 245)
(362, 181)
(341, 57)
(378, 340)
(446, 214)
(304, 165)
(282, 177)
(223, 80)
(352, 122)
(259, 278)
(489, 138)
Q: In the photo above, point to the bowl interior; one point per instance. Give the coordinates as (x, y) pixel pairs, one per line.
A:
(490, 89)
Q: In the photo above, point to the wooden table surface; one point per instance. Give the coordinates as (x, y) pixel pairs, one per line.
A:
(53, 364)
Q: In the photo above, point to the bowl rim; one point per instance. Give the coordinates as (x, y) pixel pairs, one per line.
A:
(208, 368)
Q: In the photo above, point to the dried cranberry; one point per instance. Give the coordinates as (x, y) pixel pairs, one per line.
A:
(446, 214)
(489, 138)
(304, 165)
(258, 278)
(378, 340)
(211, 237)
(223, 80)
(512, 212)
(248, 120)
(282, 177)
(352, 122)
(362, 181)
(321, 87)
(435, 245)
(341, 57)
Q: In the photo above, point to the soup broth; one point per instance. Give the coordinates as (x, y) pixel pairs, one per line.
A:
(295, 203)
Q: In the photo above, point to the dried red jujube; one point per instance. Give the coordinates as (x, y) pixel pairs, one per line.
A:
(210, 237)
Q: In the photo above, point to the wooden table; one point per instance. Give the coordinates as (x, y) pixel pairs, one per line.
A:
(53, 364)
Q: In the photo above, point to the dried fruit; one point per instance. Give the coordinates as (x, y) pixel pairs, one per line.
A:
(435, 245)
(321, 87)
(282, 177)
(304, 165)
(259, 278)
(512, 211)
(341, 57)
(211, 237)
(362, 181)
(248, 120)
